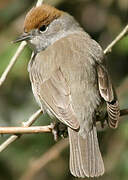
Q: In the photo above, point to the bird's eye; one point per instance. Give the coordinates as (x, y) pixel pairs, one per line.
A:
(43, 28)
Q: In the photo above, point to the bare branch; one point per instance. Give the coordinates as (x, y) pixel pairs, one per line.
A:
(25, 130)
(12, 62)
(6, 143)
(47, 157)
(123, 112)
(38, 129)
(39, 2)
(118, 38)
(32, 119)
(11, 139)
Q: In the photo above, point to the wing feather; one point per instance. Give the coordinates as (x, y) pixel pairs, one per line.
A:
(108, 94)
(55, 93)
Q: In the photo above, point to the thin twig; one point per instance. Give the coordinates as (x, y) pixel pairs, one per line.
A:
(25, 130)
(118, 38)
(47, 157)
(123, 112)
(12, 62)
(37, 129)
(39, 2)
(9, 141)
(13, 138)
(32, 119)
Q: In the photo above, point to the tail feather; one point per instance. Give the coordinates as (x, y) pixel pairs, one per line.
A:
(113, 114)
(75, 156)
(85, 156)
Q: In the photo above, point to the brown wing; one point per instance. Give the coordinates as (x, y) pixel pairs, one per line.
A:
(55, 93)
(108, 94)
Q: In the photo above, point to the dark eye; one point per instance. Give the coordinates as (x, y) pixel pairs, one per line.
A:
(43, 28)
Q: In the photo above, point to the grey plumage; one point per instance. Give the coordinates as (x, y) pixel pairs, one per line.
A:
(70, 81)
(70, 91)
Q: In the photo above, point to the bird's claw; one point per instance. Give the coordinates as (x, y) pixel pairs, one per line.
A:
(59, 130)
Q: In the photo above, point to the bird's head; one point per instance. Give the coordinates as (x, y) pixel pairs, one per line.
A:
(44, 25)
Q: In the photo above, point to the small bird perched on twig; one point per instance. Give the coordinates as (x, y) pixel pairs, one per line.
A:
(70, 81)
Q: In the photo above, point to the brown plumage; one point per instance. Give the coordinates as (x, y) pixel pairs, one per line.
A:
(42, 15)
(61, 88)
(70, 81)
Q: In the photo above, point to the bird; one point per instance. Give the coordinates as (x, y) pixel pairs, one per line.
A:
(70, 82)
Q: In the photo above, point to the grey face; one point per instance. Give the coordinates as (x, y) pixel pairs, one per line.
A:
(45, 36)
(40, 39)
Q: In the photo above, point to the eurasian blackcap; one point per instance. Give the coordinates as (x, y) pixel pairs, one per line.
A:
(70, 81)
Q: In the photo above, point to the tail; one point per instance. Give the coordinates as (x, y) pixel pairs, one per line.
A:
(85, 156)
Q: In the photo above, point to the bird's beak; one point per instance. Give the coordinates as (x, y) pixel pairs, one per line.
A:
(23, 37)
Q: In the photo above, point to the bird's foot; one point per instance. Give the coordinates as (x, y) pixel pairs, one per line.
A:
(59, 130)
(102, 118)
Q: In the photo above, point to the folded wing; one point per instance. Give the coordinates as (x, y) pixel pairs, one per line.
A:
(55, 93)
(108, 94)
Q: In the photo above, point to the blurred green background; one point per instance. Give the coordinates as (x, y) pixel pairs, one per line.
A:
(103, 20)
